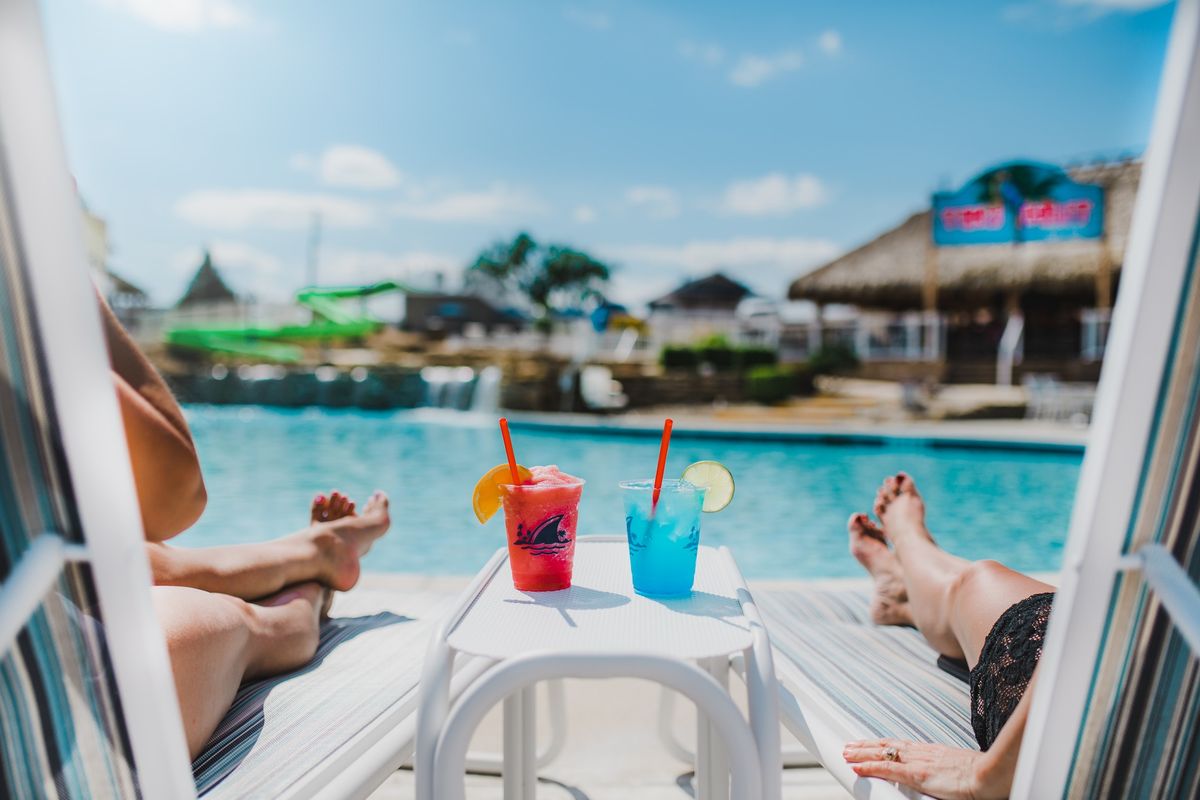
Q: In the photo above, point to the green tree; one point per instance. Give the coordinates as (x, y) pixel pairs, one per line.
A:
(551, 278)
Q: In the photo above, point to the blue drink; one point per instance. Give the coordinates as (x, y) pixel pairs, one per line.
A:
(662, 543)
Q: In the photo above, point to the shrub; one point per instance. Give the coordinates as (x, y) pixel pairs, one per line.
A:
(718, 353)
(717, 340)
(722, 357)
(833, 359)
(803, 380)
(679, 358)
(770, 384)
(757, 356)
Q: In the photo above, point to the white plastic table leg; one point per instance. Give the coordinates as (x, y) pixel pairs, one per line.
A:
(520, 745)
(509, 677)
(712, 764)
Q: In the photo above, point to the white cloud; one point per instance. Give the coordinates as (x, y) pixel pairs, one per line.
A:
(765, 263)
(499, 201)
(657, 202)
(710, 54)
(349, 165)
(234, 209)
(1063, 15)
(417, 267)
(183, 16)
(830, 42)
(584, 214)
(754, 70)
(357, 167)
(773, 195)
(588, 18)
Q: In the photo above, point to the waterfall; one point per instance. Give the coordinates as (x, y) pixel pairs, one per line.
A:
(486, 398)
(448, 387)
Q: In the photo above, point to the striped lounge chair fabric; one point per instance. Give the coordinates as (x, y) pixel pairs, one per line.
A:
(867, 681)
(60, 728)
(281, 733)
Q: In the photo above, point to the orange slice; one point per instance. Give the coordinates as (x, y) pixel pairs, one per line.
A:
(486, 500)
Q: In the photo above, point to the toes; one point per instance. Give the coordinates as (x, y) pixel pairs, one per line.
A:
(378, 501)
(861, 525)
(872, 530)
(881, 503)
(904, 483)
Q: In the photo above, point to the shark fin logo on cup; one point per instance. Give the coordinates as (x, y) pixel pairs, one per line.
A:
(545, 539)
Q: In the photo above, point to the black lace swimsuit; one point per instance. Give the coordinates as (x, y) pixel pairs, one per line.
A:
(1006, 663)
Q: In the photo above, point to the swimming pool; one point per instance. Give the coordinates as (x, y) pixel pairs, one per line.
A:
(787, 520)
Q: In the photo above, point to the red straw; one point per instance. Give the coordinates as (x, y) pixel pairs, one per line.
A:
(662, 462)
(512, 459)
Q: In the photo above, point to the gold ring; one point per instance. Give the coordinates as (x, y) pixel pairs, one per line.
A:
(891, 754)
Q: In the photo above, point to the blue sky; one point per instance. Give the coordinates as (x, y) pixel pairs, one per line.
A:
(668, 138)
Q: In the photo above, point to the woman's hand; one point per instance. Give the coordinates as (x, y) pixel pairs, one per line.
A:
(949, 773)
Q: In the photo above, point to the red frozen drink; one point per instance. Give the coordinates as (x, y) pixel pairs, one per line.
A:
(540, 517)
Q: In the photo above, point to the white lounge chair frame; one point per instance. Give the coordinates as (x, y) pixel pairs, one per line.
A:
(1156, 263)
(49, 233)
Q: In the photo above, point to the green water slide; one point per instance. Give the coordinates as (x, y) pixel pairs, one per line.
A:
(333, 318)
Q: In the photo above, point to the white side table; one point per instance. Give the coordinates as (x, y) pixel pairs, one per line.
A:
(599, 628)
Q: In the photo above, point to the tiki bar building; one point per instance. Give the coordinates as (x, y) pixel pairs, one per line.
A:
(1013, 274)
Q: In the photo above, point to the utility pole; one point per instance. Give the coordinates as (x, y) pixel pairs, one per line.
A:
(314, 244)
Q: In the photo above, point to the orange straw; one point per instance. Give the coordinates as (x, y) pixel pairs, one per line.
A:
(662, 462)
(508, 449)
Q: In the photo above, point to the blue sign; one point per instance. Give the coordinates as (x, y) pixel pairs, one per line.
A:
(1021, 201)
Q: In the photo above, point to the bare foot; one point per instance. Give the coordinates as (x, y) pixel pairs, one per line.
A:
(900, 508)
(327, 509)
(889, 603)
(345, 540)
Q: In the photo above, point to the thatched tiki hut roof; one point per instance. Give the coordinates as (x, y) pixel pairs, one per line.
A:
(890, 270)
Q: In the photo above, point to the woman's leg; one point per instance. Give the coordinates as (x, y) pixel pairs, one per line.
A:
(217, 641)
(327, 551)
(952, 601)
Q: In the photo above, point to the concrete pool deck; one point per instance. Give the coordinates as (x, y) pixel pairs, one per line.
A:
(612, 749)
(995, 434)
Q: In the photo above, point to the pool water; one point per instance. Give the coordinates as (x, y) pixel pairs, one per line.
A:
(787, 519)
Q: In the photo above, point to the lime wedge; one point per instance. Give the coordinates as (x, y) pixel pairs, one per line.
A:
(713, 476)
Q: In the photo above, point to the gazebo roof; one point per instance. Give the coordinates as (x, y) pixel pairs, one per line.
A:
(714, 291)
(889, 270)
(207, 286)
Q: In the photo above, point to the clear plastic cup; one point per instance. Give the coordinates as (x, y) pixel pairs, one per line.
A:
(663, 540)
(541, 521)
